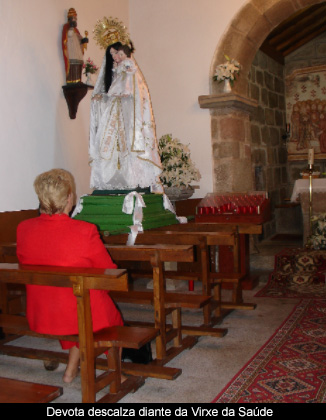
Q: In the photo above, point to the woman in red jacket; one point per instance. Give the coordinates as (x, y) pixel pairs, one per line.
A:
(54, 238)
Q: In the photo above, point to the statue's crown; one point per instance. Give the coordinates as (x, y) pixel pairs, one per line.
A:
(108, 31)
(72, 12)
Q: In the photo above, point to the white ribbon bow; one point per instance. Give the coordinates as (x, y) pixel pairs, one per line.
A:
(169, 206)
(79, 206)
(135, 207)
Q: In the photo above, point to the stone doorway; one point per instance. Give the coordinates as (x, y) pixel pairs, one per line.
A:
(238, 165)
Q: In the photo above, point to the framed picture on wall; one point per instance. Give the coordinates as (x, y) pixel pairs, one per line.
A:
(306, 112)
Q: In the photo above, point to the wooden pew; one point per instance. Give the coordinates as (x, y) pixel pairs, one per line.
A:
(177, 238)
(9, 220)
(12, 297)
(203, 238)
(211, 281)
(15, 391)
(112, 339)
(225, 255)
(164, 302)
(233, 263)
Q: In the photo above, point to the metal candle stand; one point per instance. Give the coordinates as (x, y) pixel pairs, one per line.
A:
(310, 171)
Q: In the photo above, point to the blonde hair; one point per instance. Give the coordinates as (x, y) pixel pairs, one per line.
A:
(53, 189)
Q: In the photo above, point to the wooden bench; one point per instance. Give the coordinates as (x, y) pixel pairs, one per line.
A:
(15, 391)
(164, 303)
(231, 271)
(195, 235)
(225, 254)
(156, 255)
(12, 297)
(91, 345)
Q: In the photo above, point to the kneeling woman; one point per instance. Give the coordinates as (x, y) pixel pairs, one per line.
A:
(55, 239)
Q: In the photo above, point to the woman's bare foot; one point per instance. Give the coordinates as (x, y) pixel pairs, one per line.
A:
(72, 368)
(68, 376)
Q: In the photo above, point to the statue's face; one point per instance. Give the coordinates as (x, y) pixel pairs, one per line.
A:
(73, 21)
(115, 55)
(122, 55)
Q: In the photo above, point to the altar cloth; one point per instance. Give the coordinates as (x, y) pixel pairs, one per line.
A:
(302, 185)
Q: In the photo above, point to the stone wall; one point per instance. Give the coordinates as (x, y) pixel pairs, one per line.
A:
(257, 157)
(267, 125)
(231, 150)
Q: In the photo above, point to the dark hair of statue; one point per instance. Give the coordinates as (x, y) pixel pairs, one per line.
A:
(109, 65)
(109, 61)
(127, 50)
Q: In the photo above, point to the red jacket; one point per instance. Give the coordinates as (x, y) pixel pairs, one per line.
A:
(62, 241)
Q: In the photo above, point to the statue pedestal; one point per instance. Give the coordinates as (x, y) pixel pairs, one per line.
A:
(74, 93)
(106, 212)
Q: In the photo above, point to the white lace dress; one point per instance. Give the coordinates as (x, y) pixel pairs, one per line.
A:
(123, 146)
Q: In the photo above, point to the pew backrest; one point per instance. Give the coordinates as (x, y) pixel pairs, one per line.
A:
(89, 278)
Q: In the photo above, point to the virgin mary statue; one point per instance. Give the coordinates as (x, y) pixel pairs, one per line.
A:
(123, 148)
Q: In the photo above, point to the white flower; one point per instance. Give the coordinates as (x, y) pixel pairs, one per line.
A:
(228, 70)
(178, 169)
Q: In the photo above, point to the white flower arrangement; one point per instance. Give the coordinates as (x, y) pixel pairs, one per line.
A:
(318, 228)
(228, 70)
(178, 168)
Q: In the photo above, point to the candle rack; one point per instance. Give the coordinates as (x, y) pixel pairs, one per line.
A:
(250, 207)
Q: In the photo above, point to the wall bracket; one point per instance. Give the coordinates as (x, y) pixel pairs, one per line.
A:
(74, 93)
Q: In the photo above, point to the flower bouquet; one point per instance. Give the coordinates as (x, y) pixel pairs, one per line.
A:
(89, 67)
(318, 228)
(227, 71)
(178, 168)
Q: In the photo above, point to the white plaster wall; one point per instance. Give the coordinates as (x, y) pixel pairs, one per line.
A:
(175, 42)
(36, 131)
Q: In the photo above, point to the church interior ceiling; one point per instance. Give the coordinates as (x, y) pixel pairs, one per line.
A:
(295, 31)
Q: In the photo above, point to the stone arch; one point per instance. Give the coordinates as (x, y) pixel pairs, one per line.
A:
(248, 30)
(230, 112)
